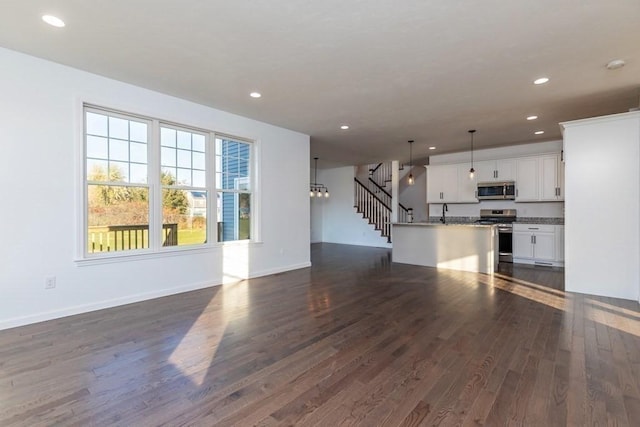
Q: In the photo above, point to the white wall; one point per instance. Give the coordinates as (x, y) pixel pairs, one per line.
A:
(339, 221)
(40, 121)
(415, 196)
(602, 202)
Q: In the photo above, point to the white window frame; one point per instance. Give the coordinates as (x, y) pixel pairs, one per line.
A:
(253, 222)
(155, 187)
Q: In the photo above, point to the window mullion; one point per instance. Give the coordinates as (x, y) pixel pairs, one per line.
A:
(212, 191)
(155, 212)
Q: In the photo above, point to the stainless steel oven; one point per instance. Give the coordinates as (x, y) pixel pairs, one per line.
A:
(503, 219)
(505, 243)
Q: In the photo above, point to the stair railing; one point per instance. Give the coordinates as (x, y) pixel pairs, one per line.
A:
(373, 209)
(403, 212)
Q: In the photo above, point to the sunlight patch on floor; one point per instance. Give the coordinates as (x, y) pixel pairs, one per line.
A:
(204, 335)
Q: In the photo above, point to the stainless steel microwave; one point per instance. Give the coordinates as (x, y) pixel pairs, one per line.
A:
(505, 190)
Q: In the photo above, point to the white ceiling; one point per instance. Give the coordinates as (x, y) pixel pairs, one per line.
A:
(427, 70)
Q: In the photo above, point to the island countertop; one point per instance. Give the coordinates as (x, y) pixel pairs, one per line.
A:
(439, 224)
(457, 246)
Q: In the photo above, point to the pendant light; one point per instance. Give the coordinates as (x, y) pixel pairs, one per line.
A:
(472, 171)
(410, 179)
(316, 189)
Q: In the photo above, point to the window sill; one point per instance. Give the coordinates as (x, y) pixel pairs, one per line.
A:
(114, 257)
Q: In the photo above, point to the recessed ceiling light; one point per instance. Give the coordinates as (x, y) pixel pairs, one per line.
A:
(615, 64)
(53, 20)
(541, 81)
(432, 148)
(255, 94)
(344, 127)
(532, 117)
(539, 132)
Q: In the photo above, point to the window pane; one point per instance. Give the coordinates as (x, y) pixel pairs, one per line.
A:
(138, 174)
(234, 216)
(96, 124)
(184, 217)
(198, 142)
(118, 218)
(184, 177)
(138, 152)
(168, 137)
(199, 179)
(118, 171)
(244, 151)
(97, 170)
(168, 176)
(184, 159)
(198, 161)
(118, 128)
(168, 156)
(138, 131)
(118, 150)
(243, 167)
(97, 147)
(184, 140)
(233, 160)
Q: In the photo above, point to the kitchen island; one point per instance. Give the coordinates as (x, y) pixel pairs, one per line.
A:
(464, 247)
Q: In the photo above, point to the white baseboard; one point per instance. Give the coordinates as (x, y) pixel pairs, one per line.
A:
(279, 269)
(129, 299)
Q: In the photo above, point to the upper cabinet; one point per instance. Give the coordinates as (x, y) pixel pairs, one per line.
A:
(450, 184)
(442, 184)
(495, 170)
(539, 178)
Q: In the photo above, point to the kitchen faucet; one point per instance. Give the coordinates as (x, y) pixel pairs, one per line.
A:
(443, 218)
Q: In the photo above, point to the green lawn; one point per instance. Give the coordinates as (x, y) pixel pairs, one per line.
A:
(191, 237)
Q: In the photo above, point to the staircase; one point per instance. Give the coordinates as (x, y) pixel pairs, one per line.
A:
(373, 201)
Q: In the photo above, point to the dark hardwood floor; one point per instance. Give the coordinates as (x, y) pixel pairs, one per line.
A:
(354, 340)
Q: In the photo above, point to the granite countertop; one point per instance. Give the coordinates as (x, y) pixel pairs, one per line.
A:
(448, 224)
(521, 220)
(539, 220)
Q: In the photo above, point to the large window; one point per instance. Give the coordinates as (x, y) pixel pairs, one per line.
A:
(117, 183)
(184, 186)
(148, 185)
(233, 182)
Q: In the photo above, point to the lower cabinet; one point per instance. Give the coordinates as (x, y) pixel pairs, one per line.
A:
(538, 244)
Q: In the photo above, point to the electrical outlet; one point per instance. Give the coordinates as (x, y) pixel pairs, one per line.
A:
(50, 282)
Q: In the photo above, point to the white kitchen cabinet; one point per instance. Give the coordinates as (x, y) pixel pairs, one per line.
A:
(485, 170)
(495, 170)
(442, 184)
(560, 243)
(527, 179)
(450, 184)
(552, 178)
(539, 178)
(535, 244)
